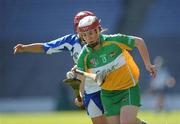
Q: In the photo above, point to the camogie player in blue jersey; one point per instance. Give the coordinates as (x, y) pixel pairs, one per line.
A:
(73, 44)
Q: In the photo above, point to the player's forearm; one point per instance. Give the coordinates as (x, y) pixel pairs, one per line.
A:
(81, 86)
(142, 48)
(81, 89)
(33, 48)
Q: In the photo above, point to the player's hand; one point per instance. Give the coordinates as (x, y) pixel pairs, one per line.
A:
(74, 68)
(78, 102)
(152, 70)
(100, 77)
(18, 48)
(70, 75)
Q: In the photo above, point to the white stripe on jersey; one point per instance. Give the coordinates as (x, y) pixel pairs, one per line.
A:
(58, 48)
(118, 62)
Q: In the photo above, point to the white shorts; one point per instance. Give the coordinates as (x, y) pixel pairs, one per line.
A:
(93, 105)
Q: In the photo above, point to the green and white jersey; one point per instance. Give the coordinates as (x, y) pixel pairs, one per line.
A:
(112, 56)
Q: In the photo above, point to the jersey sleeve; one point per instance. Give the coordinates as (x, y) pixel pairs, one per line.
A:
(61, 44)
(81, 59)
(126, 41)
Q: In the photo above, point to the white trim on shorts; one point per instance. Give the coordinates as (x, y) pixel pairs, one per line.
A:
(93, 110)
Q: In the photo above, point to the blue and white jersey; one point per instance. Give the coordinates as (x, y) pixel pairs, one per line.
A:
(71, 43)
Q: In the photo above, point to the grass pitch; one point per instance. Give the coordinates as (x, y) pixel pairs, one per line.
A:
(80, 117)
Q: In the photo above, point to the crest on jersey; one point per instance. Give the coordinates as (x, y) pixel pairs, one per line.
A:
(93, 61)
(112, 54)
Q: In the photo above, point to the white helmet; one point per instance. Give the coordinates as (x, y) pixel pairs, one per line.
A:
(88, 23)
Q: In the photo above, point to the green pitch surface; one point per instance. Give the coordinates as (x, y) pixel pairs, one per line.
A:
(80, 117)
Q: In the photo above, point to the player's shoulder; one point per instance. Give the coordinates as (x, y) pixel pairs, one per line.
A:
(116, 37)
(85, 50)
(69, 38)
(109, 36)
(74, 38)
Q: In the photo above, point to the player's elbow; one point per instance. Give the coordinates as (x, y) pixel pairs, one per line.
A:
(139, 42)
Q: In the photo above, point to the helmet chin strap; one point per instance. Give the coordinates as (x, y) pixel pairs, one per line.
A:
(92, 45)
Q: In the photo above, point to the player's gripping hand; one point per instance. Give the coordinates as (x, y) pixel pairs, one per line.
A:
(78, 102)
(70, 75)
(100, 77)
(18, 48)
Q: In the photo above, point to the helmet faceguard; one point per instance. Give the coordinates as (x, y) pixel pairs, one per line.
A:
(79, 16)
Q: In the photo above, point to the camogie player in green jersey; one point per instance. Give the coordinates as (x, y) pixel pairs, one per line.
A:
(120, 92)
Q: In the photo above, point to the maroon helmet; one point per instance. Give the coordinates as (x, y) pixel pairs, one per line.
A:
(79, 16)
